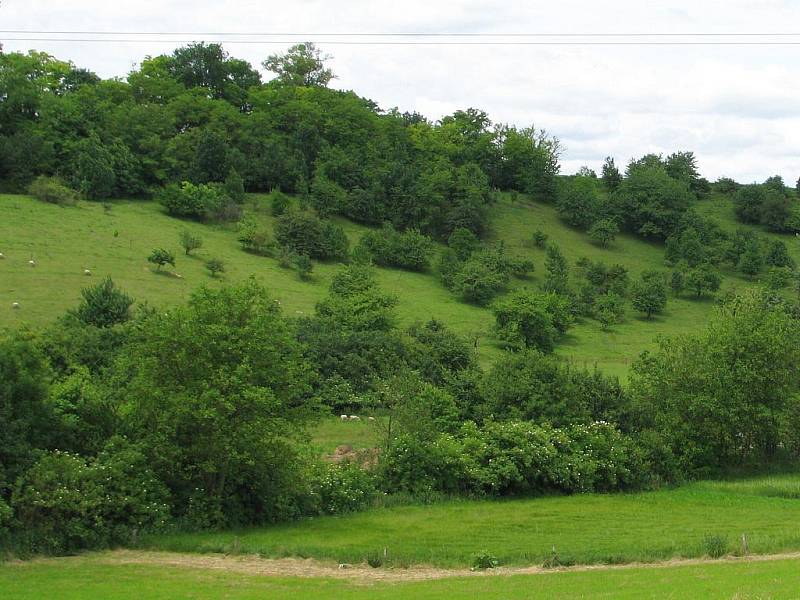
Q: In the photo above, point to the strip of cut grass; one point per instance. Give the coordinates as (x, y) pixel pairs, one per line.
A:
(85, 578)
(583, 529)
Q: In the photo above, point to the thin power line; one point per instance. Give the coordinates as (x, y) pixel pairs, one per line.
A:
(402, 43)
(405, 34)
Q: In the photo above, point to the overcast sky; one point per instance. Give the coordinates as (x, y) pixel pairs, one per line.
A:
(736, 107)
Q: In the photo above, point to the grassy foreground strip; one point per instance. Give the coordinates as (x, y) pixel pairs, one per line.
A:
(94, 576)
(691, 521)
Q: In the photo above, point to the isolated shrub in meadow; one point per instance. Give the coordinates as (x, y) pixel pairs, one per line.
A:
(53, 190)
(161, 257)
(215, 266)
(190, 241)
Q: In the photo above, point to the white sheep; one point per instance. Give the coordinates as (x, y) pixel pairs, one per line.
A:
(370, 418)
(343, 417)
(355, 418)
(2, 256)
(87, 272)
(15, 305)
(32, 262)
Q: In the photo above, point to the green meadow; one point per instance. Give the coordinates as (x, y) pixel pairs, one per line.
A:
(89, 577)
(115, 239)
(691, 521)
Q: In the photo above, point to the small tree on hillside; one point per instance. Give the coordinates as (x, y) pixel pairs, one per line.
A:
(557, 277)
(104, 305)
(190, 242)
(215, 266)
(752, 261)
(161, 257)
(703, 280)
(649, 293)
(603, 232)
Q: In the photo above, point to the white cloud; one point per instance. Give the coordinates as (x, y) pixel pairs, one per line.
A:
(735, 106)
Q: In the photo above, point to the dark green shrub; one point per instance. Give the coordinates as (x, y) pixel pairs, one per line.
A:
(53, 190)
(305, 233)
(215, 266)
(279, 202)
(391, 248)
(66, 503)
(304, 266)
(104, 305)
(484, 560)
(161, 257)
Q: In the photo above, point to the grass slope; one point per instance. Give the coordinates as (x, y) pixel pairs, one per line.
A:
(584, 529)
(116, 242)
(89, 577)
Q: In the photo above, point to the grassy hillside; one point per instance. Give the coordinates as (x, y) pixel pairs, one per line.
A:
(584, 529)
(110, 578)
(116, 241)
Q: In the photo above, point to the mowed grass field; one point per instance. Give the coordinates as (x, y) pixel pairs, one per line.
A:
(91, 577)
(580, 529)
(116, 241)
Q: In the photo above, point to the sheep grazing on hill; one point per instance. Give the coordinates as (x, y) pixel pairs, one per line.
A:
(343, 417)
(32, 262)
(87, 272)
(370, 418)
(355, 418)
(15, 305)
(2, 256)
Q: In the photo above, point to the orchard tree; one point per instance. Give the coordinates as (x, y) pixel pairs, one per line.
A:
(649, 293)
(302, 65)
(752, 260)
(215, 266)
(190, 242)
(161, 257)
(703, 280)
(603, 232)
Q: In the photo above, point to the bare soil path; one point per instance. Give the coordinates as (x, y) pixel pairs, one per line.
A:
(297, 567)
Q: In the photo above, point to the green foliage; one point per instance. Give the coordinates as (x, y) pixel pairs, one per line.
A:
(484, 560)
(304, 266)
(603, 232)
(609, 309)
(407, 250)
(161, 257)
(556, 279)
(579, 202)
(703, 280)
(234, 186)
(301, 65)
(611, 176)
(203, 201)
(532, 320)
(28, 421)
(305, 233)
(279, 202)
(66, 503)
(104, 305)
(539, 239)
(649, 201)
(478, 281)
(343, 488)
(215, 266)
(735, 397)
(216, 392)
(190, 241)
(53, 190)
(255, 237)
(649, 293)
(463, 242)
(91, 168)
